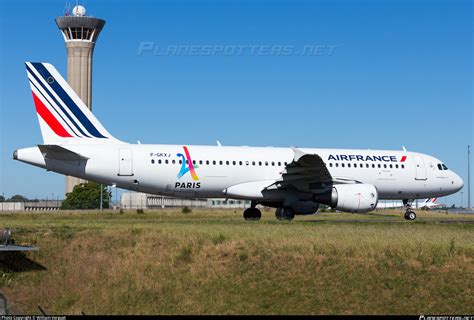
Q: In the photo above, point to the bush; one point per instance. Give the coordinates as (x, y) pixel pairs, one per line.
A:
(186, 210)
(140, 211)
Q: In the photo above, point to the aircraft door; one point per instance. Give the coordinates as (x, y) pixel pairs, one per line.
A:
(125, 162)
(420, 168)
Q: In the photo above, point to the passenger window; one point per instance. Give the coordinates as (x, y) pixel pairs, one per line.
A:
(330, 164)
(166, 161)
(266, 163)
(187, 162)
(279, 163)
(253, 163)
(342, 165)
(200, 162)
(260, 163)
(391, 166)
(233, 162)
(173, 161)
(379, 166)
(396, 166)
(403, 166)
(207, 161)
(385, 166)
(373, 165)
(194, 161)
(273, 163)
(337, 164)
(214, 162)
(348, 165)
(247, 163)
(240, 163)
(227, 162)
(220, 162)
(152, 161)
(159, 161)
(286, 164)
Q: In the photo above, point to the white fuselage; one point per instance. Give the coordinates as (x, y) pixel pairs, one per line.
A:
(155, 168)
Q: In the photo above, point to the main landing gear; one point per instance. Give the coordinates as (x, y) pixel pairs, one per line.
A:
(409, 214)
(285, 213)
(281, 213)
(252, 213)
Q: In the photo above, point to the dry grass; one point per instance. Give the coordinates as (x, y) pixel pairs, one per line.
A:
(212, 262)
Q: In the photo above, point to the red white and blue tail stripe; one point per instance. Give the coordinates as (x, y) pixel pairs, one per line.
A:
(63, 116)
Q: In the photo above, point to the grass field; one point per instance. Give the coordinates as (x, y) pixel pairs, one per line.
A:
(213, 262)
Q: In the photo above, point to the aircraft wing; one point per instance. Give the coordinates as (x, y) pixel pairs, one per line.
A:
(307, 173)
(13, 247)
(7, 244)
(304, 173)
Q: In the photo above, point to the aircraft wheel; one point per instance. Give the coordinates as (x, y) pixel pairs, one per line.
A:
(285, 213)
(252, 214)
(279, 213)
(411, 215)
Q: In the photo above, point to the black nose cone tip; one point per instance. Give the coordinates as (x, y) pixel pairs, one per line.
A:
(15, 155)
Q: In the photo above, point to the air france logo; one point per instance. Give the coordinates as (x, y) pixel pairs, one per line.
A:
(187, 165)
(357, 157)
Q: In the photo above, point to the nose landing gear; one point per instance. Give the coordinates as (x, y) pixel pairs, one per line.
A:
(409, 214)
(252, 213)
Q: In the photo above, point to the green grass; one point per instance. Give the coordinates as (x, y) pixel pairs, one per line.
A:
(213, 262)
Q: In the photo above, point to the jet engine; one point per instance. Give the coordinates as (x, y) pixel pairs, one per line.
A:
(357, 197)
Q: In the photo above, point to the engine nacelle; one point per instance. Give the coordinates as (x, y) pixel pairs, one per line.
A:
(354, 197)
(305, 207)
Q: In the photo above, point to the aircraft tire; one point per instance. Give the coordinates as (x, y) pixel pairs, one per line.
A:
(285, 213)
(252, 214)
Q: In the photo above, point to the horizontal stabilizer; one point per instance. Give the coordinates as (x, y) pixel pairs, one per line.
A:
(56, 152)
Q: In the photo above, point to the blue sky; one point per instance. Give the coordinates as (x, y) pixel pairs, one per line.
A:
(399, 73)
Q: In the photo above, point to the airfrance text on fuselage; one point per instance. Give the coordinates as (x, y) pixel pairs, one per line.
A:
(352, 157)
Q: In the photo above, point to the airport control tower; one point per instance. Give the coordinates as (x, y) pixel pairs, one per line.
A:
(80, 34)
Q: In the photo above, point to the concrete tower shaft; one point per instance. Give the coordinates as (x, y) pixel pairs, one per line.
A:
(80, 34)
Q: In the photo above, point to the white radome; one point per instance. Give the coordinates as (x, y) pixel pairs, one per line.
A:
(79, 11)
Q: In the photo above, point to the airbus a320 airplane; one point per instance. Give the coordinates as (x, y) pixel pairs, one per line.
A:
(293, 180)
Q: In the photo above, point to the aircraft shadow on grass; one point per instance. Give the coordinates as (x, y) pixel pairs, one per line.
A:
(18, 262)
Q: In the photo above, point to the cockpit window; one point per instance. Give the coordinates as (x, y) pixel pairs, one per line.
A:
(444, 167)
(440, 167)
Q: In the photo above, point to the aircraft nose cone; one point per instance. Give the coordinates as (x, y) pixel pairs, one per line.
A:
(456, 183)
